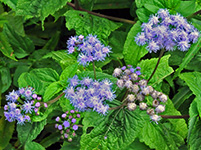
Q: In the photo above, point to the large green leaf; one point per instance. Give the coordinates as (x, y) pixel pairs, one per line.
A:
(49, 140)
(163, 70)
(189, 55)
(193, 80)
(5, 79)
(33, 146)
(11, 3)
(110, 132)
(39, 8)
(69, 72)
(29, 131)
(195, 137)
(186, 8)
(39, 79)
(132, 52)
(6, 132)
(22, 45)
(5, 47)
(84, 23)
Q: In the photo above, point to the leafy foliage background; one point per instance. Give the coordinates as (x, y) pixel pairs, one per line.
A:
(33, 53)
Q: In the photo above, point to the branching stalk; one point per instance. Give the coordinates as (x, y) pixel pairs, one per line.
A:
(161, 54)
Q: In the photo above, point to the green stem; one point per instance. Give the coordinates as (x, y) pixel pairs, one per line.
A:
(94, 70)
(161, 54)
(103, 16)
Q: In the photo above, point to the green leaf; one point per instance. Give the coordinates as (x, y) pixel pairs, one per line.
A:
(74, 145)
(29, 131)
(22, 45)
(137, 145)
(39, 8)
(179, 126)
(158, 136)
(121, 133)
(39, 79)
(69, 72)
(52, 43)
(51, 90)
(194, 64)
(143, 14)
(11, 3)
(186, 8)
(152, 8)
(33, 146)
(140, 3)
(132, 52)
(62, 58)
(49, 140)
(193, 80)
(195, 137)
(84, 23)
(5, 79)
(5, 47)
(6, 132)
(172, 3)
(65, 104)
(163, 70)
(183, 94)
(189, 55)
(193, 112)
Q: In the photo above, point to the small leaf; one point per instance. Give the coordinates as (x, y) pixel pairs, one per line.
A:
(5, 79)
(6, 132)
(132, 52)
(51, 139)
(29, 131)
(84, 23)
(69, 72)
(65, 104)
(163, 70)
(33, 146)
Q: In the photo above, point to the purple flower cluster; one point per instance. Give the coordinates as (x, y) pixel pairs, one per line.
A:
(90, 48)
(165, 31)
(67, 124)
(21, 105)
(138, 90)
(88, 94)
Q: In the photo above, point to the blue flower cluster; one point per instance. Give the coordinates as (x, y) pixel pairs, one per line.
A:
(167, 31)
(90, 49)
(21, 105)
(88, 94)
(67, 124)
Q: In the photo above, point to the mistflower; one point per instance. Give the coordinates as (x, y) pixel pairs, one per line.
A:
(90, 48)
(68, 125)
(89, 94)
(22, 105)
(166, 31)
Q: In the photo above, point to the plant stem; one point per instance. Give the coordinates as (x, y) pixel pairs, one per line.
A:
(104, 16)
(174, 117)
(55, 99)
(77, 6)
(161, 54)
(94, 70)
(194, 14)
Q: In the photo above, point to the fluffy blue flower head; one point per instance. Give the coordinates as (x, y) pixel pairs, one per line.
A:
(166, 31)
(90, 94)
(90, 48)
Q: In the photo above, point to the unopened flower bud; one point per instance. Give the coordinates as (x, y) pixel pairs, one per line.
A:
(143, 106)
(140, 97)
(151, 89)
(160, 109)
(70, 140)
(150, 111)
(127, 72)
(163, 98)
(120, 83)
(128, 84)
(145, 91)
(155, 118)
(154, 95)
(131, 106)
(125, 78)
(131, 97)
(135, 88)
(142, 83)
(117, 72)
(134, 77)
(155, 103)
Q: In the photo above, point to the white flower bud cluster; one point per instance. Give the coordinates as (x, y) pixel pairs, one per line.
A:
(138, 89)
